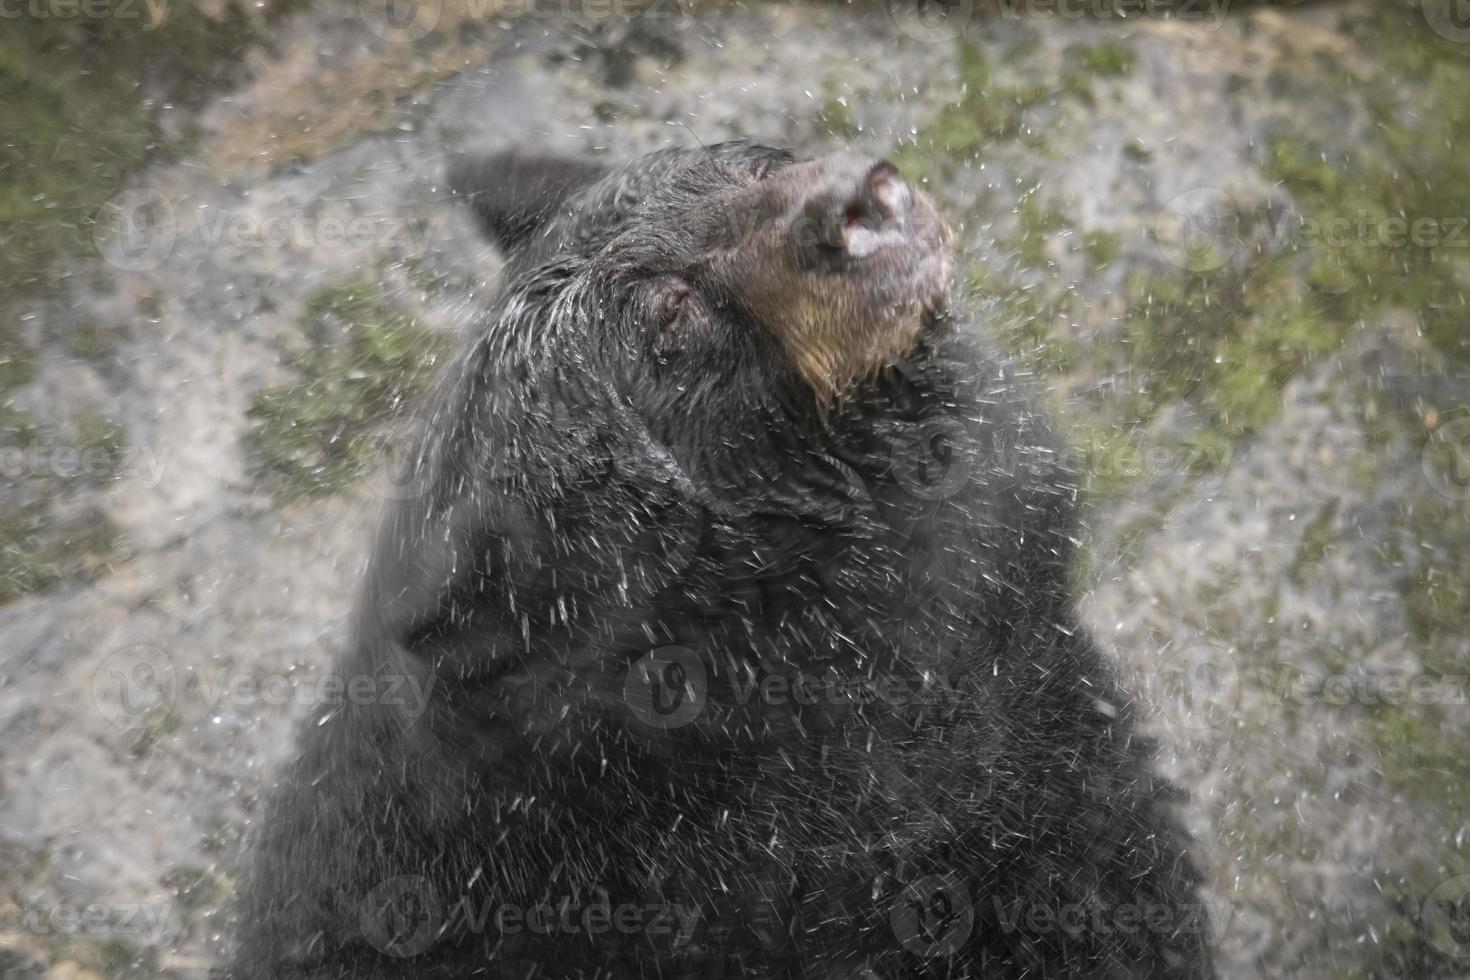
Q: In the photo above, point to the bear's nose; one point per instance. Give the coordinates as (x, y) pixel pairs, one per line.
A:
(852, 201)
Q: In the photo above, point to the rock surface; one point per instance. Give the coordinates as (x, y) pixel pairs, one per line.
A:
(1273, 417)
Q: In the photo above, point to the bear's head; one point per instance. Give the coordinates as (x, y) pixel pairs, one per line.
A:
(698, 270)
(726, 336)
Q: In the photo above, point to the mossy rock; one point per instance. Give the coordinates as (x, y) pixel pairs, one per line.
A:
(368, 360)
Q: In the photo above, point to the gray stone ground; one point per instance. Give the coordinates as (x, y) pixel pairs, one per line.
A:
(134, 748)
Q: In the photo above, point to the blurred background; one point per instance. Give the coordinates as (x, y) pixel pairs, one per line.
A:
(1228, 240)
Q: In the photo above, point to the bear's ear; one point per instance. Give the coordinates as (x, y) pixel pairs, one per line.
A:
(515, 195)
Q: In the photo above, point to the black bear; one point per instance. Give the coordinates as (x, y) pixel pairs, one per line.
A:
(724, 626)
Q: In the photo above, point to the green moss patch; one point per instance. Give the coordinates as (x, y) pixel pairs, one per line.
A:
(84, 102)
(835, 118)
(1391, 222)
(316, 436)
(38, 552)
(986, 111)
(1109, 59)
